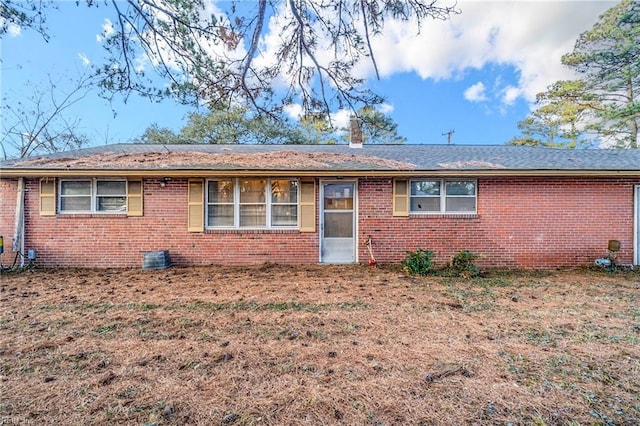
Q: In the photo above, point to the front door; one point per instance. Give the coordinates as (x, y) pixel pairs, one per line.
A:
(338, 222)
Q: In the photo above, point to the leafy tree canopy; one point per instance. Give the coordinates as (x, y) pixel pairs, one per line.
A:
(603, 102)
(607, 59)
(559, 120)
(237, 125)
(204, 53)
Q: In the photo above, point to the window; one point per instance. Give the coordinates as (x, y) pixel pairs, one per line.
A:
(221, 196)
(75, 196)
(284, 202)
(443, 196)
(111, 196)
(82, 196)
(252, 203)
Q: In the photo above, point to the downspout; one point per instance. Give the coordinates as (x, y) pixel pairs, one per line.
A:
(18, 230)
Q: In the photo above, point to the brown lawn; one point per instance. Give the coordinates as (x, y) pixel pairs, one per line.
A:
(318, 345)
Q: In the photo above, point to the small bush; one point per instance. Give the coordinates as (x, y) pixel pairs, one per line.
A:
(462, 264)
(418, 262)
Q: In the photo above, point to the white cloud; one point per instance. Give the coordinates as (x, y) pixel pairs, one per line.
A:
(529, 36)
(14, 30)
(107, 30)
(85, 59)
(293, 110)
(341, 118)
(385, 108)
(476, 93)
(510, 94)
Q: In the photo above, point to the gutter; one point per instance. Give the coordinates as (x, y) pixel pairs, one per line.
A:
(193, 173)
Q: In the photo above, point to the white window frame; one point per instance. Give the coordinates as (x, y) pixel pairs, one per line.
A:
(443, 196)
(268, 204)
(94, 196)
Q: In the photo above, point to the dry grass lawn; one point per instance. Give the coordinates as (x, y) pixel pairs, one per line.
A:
(318, 345)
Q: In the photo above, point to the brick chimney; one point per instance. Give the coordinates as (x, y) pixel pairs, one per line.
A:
(355, 132)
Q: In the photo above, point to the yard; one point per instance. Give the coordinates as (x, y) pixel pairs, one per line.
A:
(277, 345)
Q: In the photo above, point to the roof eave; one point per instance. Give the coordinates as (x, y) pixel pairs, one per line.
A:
(191, 173)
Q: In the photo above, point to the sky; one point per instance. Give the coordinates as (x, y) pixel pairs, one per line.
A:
(475, 75)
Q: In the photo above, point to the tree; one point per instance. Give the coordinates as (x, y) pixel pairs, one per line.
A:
(39, 124)
(378, 127)
(235, 125)
(221, 57)
(559, 120)
(161, 135)
(607, 59)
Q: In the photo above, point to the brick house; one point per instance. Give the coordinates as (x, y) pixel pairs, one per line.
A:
(238, 204)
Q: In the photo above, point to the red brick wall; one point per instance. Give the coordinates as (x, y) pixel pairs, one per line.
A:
(119, 241)
(521, 222)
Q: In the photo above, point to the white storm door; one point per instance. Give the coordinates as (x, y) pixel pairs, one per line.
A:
(338, 222)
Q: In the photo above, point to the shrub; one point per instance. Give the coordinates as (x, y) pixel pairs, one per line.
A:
(418, 262)
(462, 264)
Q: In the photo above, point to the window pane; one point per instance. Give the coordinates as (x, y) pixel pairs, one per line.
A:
(221, 215)
(425, 204)
(111, 188)
(461, 204)
(221, 191)
(461, 187)
(76, 188)
(112, 204)
(75, 204)
(425, 187)
(253, 216)
(283, 215)
(252, 191)
(338, 196)
(284, 191)
(338, 225)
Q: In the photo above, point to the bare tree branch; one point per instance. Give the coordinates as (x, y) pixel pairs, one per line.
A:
(213, 59)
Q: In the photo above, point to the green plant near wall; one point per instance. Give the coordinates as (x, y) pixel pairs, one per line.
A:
(462, 264)
(418, 262)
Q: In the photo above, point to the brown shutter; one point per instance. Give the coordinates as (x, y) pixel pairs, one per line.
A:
(401, 197)
(134, 197)
(48, 197)
(196, 205)
(308, 205)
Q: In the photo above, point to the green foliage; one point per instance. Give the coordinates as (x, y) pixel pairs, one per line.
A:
(606, 58)
(238, 125)
(418, 262)
(226, 126)
(462, 264)
(603, 102)
(377, 127)
(160, 135)
(558, 122)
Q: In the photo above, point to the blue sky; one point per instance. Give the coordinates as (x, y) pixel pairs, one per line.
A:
(476, 74)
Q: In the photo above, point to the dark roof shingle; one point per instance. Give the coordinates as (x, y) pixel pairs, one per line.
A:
(332, 158)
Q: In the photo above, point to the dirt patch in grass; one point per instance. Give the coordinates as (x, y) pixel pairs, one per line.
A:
(276, 344)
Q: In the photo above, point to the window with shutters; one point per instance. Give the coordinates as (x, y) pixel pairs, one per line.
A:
(93, 196)
(252, 203)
